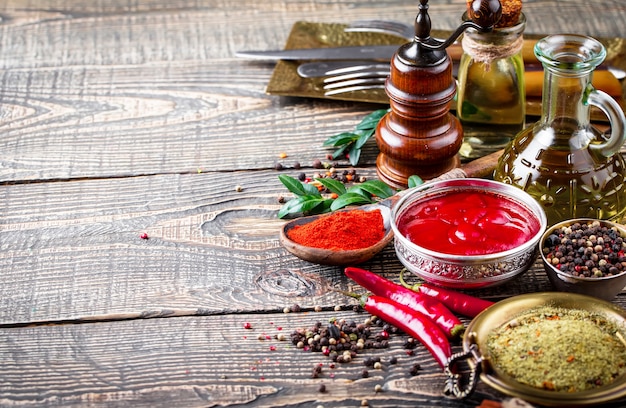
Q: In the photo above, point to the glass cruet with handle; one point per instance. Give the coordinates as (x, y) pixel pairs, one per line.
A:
(564, 162)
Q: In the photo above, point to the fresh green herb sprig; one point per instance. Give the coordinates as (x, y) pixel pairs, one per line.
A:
(309, 200)
(350, 143)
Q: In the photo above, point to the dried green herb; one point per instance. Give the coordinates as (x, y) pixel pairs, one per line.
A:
(561, 350)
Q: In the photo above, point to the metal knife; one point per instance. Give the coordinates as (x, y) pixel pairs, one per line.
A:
(368, 52)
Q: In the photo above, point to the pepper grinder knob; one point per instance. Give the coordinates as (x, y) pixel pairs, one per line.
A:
(485, 13)
(419, 136)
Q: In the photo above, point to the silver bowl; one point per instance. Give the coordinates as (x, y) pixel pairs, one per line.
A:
(466, 271)
(606, 287)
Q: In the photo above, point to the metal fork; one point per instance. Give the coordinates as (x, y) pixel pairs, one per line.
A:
(391, 27)
(349, 80)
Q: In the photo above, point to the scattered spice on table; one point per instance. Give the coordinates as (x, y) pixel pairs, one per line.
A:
(341, 230)
(559, 349)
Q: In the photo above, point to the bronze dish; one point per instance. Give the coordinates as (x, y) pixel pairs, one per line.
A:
(475, 351)
(285, 80)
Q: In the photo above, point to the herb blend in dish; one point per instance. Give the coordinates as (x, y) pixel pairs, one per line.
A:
(557, 349)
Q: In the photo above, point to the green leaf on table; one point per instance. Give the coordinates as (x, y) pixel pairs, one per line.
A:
(349, 198)
(304, 204)
(354, 155)
(341, 139)
(363, 138)
(352, 142)
(371, 120)
(297, 187)
(415, 181)
(339, 152)
(376, 188)
(334, 186)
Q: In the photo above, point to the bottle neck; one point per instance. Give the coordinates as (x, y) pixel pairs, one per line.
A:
(499, 43)
(564, 99)
(568, 61)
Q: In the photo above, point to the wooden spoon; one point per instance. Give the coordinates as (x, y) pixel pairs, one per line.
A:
(481, 167)
(345, 257)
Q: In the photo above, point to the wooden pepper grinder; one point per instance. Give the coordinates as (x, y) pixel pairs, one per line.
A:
(419, 136)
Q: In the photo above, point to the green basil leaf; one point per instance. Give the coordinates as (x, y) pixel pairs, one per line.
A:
(340, 151)
(349, 199)
(324, 206)
(365, 136)
(341, 139)
(354, 155)
(335, 186)
(377, 188)
(371, 120)
(290, 207)
(303, 204)
(356, 189)
(415, 181)
(297, 187)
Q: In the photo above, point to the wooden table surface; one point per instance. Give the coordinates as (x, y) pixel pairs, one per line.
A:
(126, 117)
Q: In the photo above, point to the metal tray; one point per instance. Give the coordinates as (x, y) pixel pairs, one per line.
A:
(285, 80)
(502, 312)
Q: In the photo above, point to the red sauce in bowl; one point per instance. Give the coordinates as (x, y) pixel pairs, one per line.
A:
(468, 223)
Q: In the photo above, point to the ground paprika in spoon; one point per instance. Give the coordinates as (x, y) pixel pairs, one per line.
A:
(341, 230)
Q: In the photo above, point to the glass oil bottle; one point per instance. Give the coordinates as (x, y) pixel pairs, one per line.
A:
(491, 102)
(570, 167)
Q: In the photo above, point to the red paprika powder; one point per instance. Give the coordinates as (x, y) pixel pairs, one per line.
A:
(341, 231)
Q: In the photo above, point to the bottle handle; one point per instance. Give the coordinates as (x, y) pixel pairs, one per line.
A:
(614, 112)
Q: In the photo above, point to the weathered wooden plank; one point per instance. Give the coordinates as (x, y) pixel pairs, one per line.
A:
(157, 119)
(206, 361)
(153, 73)
(72, 250)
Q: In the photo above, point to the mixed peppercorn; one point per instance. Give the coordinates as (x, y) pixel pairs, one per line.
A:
(589, 249)
(342, 341)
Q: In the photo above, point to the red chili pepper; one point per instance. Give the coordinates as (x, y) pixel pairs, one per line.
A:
(466, 305)
(460, 303)
(439, 313)
(413, 323)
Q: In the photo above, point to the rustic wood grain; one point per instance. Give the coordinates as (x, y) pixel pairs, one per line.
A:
(207, 361)
(133, 77)
(119, 118)
(211, 249)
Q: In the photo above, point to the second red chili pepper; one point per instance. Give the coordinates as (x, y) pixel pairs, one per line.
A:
(415, 324)
(457, 302)
(441, 315)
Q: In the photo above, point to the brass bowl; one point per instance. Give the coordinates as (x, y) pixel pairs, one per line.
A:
(466, 271)
(606, 287)
(479, 329)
